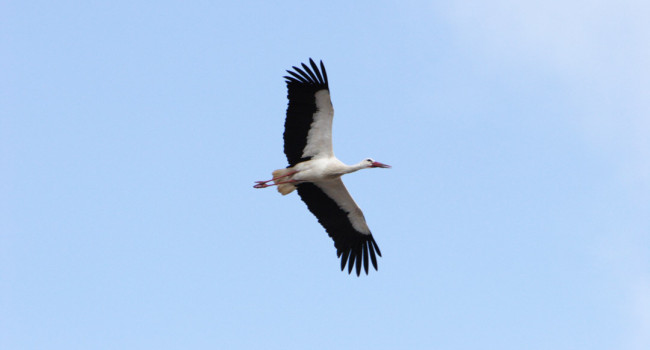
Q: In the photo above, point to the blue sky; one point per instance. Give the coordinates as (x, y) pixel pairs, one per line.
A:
(515, 214)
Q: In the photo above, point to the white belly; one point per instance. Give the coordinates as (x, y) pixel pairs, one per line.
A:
(318, 170)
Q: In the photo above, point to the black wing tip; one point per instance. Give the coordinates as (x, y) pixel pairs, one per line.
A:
(358, 254)
(352, 246)
(308, 75)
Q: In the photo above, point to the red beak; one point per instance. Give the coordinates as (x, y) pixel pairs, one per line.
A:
(379, 165)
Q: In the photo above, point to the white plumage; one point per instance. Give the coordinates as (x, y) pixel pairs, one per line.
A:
(316, 173)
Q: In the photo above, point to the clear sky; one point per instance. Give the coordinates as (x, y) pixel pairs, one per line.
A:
(515, 215)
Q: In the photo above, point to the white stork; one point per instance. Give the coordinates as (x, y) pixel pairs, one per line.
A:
(316, 172)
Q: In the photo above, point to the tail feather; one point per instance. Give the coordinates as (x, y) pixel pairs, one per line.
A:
(284, 189)
(279, 172)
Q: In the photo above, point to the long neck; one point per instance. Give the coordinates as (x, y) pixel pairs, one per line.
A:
(354, 167)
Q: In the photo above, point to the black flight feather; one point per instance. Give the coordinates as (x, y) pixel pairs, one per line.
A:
(349, 242)
(302, 88)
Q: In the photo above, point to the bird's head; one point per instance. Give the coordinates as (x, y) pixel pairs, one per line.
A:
(372, 164)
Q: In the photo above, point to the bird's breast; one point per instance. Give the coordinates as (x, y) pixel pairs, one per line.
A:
(317, 170)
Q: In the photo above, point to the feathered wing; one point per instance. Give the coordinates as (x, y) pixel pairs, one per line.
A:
(308, 126)
(343, 220)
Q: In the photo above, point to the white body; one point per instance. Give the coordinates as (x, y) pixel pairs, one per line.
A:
(316, 173)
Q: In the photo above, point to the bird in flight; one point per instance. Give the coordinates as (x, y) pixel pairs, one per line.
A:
(316, 173)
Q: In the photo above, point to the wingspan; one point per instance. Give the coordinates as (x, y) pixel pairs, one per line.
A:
(343, 220)
(308, 127)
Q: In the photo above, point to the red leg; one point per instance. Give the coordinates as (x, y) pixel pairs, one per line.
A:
(264, 185)
(275, 178)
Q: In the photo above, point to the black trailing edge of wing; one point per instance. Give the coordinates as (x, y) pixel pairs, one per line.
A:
(353, 247)
(302, 85)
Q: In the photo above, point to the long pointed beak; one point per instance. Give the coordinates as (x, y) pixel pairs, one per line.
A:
(379, 165)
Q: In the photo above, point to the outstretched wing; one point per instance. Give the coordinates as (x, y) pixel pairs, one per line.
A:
(343, 220)
(308, 127)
